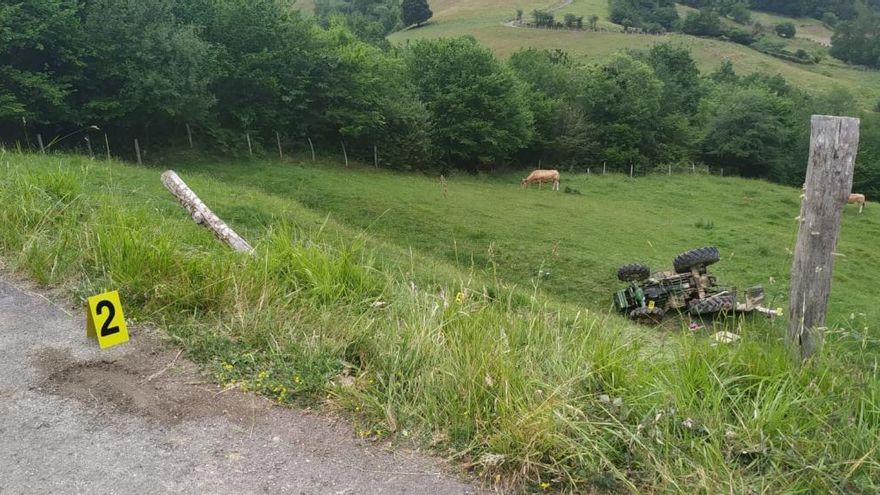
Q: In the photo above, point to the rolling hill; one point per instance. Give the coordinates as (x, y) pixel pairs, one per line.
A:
(486, 21)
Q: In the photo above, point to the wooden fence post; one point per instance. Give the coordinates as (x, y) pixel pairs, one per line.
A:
(670, 170)
(375, 156)
(693, 168)
(603, 168)
(137, 151)
(344, 154)
(834, 143)
(107, 145)
(89, 144)
(189, 135)
(630, 170)
(40, 141)
(312, 147)
(250, 148)
(278, 140)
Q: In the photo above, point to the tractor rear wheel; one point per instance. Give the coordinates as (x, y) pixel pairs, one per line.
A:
(633, 272)
(701, 256)
(647, 316)
(724, 302)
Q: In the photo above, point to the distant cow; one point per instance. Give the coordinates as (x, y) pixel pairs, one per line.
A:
(542, 176)
(859, 199)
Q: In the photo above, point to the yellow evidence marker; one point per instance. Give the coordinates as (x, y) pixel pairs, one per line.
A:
(106, 309)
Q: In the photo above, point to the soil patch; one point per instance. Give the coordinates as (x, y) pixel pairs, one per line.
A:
(156, 384)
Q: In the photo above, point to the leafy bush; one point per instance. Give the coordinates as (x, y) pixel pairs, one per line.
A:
(786, 30)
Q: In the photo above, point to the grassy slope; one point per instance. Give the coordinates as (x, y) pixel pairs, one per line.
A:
(614, 221)
(524, 387)
(484, 20)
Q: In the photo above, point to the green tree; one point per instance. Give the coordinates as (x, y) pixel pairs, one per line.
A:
(477, 107)
(740, 13)
(857, 41)
(42, 51)
(594, 21)
(370, 20)
(273, 67)
(146, 67)
(704, 22)
(830, 19)
(621, 98)
(562, 131)
(748, 129)
(415, 12)
(369, 102)
(682, 87)
(786, 30)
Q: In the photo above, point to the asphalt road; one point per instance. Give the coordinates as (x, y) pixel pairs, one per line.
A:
(138, 418)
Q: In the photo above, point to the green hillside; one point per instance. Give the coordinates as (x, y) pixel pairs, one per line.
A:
(485, 20)
(523, 391)
(581, 239)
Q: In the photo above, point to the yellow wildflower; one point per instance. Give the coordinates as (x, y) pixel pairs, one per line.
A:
(545, 486)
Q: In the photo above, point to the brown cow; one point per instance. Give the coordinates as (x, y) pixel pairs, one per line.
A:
(858, 199)
(542, 176)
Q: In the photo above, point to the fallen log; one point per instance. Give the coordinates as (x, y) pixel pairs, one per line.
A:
(203, 215)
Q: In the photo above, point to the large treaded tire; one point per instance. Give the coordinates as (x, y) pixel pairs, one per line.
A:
(725, 302)
(633, 272)
(646, 316)
(701, 256)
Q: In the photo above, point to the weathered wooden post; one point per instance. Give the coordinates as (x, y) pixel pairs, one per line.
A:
(630, 170)
(107, 145)
(40, 141)
(344, 154)
(250, 147)
(834, 143)
(375, 156)
(189, 135)
(312, 147)
(278, 140)
(89, 145)
(603, 168)
(137, 151)
(203, 215)
(670, 170)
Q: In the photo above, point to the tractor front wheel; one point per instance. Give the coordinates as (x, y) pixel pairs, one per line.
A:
(701, 256)
(633, 272)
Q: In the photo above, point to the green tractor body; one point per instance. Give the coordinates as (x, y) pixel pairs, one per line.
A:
(687, 289)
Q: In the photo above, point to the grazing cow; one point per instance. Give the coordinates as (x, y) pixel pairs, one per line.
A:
(542, 176)
(859, 199)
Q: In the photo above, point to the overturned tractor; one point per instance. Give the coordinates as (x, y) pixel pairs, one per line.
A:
(688, 289)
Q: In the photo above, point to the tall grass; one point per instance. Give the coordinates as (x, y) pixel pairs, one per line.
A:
(519, 389)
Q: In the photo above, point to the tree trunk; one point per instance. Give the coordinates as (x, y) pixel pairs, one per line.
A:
(201, 214)
(833, 147)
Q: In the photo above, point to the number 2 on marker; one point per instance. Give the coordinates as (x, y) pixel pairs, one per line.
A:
(106, 329)
(106, 309)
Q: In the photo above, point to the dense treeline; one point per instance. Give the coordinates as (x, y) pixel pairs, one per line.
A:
(857, 41)
(146, 69)
(856, 24)
(841, 9)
